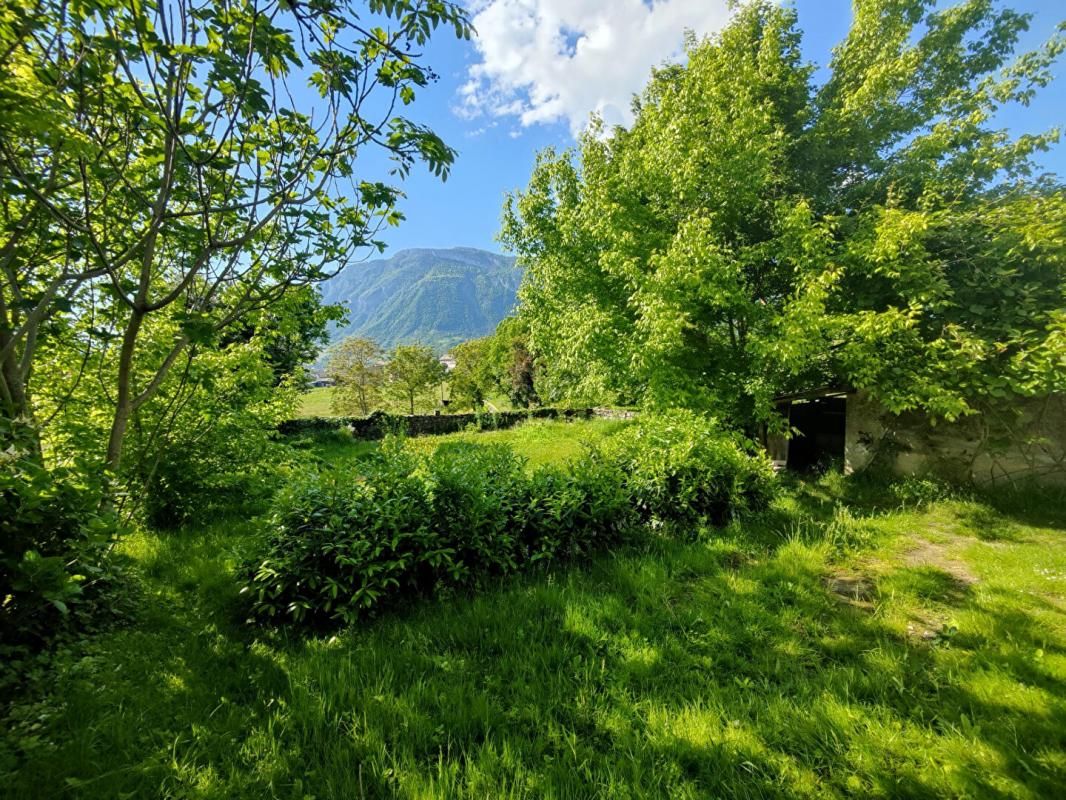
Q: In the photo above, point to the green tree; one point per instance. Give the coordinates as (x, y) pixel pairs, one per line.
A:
(357, 367)
(523, 392)
(413, 370)
(511, 363)
(501, 362)
(208, 425)
(293, 331)
(753, 231)
(472, 378)
(165, 171)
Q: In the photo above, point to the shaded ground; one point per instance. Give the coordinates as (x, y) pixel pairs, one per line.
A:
(726, 665)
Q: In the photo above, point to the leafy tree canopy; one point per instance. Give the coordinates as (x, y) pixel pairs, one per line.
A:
(412, 371)
(753, 231)
(357, 367)
(473, 377)
(170, 169)
(501, 362)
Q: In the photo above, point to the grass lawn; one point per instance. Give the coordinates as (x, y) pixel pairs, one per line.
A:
(316, 403)
(837, 645)
(539, 441)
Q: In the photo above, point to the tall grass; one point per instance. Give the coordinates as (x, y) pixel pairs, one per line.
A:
(720, 665)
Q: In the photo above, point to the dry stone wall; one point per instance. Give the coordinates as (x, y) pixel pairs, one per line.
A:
(379, 424)
(1024, 439)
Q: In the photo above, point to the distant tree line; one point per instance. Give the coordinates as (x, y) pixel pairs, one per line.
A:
(366, 377)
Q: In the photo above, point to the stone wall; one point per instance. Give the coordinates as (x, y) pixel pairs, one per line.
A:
(378, 424)
(1024, 439)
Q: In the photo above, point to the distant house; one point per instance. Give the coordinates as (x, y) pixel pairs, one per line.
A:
(1023, 439)
(319, 383)
(447, 361)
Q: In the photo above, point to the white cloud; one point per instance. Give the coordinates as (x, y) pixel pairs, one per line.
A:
(544, 61)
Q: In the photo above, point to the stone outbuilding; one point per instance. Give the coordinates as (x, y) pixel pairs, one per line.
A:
(1023, 439)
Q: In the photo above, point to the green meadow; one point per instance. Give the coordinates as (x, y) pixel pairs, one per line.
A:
(854, 639)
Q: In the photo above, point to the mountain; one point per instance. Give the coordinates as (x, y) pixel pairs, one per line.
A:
(439, 297)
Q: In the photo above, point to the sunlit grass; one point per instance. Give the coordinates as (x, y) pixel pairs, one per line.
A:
(316, 402)
(538, 441)
(710, 665)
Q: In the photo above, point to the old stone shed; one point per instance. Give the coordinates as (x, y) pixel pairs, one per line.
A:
(1024, 439)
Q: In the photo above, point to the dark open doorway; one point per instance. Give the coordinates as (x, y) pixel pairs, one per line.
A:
(819, 437)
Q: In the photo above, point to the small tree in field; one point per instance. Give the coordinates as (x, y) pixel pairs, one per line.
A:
(472, 379)
(413, 370)
(356, 365)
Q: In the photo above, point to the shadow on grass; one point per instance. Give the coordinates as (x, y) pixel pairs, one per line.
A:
(990, 525)
(1042, 506)
(928, 583)
(715, 668)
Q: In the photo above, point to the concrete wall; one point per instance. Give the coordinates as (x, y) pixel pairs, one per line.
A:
(1019, 440)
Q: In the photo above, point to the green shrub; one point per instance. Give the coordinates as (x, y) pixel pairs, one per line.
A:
(479, 495)
(341, 545)
(188, 487)
(53, 542)
(214, 453)
(917, 491)
(577, 511)
(680, 465)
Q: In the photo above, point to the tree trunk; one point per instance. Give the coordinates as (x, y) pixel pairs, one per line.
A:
(18, 408)
(16, 405)
(124, 399)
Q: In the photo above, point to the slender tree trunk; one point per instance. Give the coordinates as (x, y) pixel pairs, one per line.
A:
(12, 390)
(124, 399)
(412, 403)
(15, 402)
(17, 407)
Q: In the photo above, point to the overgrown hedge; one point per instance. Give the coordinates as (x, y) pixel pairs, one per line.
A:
(379, 424)
(341, 544)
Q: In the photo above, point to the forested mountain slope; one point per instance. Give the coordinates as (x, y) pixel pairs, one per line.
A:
(436, 296)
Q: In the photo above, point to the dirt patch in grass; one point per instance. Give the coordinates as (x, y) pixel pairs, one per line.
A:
(924, 628)
(939, 556)
(929, 570)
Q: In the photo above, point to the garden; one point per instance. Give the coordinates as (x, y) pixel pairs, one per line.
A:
(852, 636)
(247, 552)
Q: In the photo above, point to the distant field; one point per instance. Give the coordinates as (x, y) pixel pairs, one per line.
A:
(539, 441)
(315, 403)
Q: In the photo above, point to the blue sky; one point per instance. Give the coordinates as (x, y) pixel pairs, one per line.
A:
(501, 103)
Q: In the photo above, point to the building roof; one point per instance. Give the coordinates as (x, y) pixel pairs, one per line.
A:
(838, 390)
